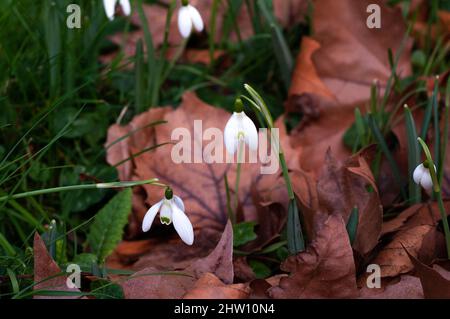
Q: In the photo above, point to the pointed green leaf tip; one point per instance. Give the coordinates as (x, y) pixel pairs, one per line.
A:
(107, 229)
(296, 242)
(352, 225)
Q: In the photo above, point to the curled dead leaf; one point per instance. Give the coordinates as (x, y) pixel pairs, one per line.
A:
(325, 270)
(154, 283)
(47, 274)
(209, 286)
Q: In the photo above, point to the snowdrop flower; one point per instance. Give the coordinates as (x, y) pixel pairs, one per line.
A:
(171, 209)
(240, 128)
(188, 18)
(422, 177)
(110, 7)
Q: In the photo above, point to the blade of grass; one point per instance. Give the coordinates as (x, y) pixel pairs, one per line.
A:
(387, 153)
(413, 156)
(429, 111)
(139, 94)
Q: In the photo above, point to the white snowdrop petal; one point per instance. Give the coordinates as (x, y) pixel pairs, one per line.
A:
(418, 172)
(150, 216)
(165, 215)
(426, 181)
(183, 226)
(126, 7)
(230, 135)
(179, 202)
(196, 18)
(184, 22)
(110, 8)
(251, 133)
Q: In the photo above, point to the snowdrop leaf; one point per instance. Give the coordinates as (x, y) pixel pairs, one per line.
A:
(107, 229)
(243, 233)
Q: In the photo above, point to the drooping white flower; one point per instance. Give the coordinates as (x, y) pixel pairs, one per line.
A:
(188, 18)
(240, 128)
(110, 7)
(171, 209)
(422, 177)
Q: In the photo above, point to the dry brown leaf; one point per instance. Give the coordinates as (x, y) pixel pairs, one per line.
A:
(325, 270)
(210, 287)
(150, 283)
(435, 281)
(408, 287)
(343, 187)
(44, 268)
(351, 55)
(339, 189)
(418, 222)
(270, 198)
(305, 78)
(242, 270)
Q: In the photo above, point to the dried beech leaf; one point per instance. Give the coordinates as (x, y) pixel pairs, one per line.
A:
(325, 270)
(408, 287)
(435, 281)
(210, 287)
(44, 268)
(153, 283)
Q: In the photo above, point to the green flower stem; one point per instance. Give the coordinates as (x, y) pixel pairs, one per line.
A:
(296, 242)
(286, 176)
(437, 193)
(153, 181)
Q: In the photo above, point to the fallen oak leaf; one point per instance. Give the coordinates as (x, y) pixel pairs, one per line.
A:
(419, 223)
(435, 281)
(47, 274)
(270, 199)
(340, 188)
(242, 270)
(325, 270)
(409, 287)
(305, 78)
(208, 286)
(352, 55)
(152, 283)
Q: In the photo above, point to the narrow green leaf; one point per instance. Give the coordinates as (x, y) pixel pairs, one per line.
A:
(272, 247)
(6, 246)
(107, 229)
(413, 156)
(104, 289)
(296, 242)
(383, 145)
(139, 95)
(437, 132)
(352, 225)
(429, 111)
(280, 46)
